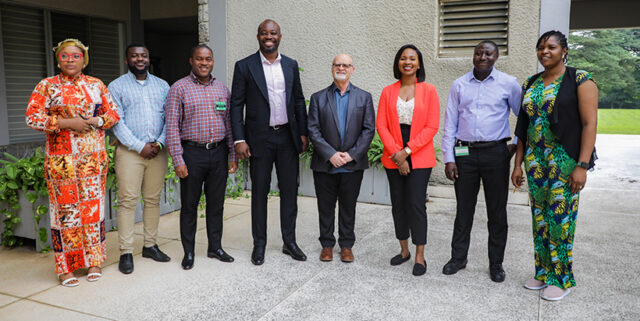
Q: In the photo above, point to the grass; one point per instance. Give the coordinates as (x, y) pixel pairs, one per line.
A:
(619, 121)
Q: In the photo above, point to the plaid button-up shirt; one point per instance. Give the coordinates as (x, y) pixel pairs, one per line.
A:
(197, 112)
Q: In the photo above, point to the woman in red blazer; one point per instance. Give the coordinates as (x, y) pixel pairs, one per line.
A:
(408, 119)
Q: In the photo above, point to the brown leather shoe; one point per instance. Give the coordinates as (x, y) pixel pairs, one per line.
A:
(346, 255)
(326, 254)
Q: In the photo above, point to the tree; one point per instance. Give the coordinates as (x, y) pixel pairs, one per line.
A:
(612, 57)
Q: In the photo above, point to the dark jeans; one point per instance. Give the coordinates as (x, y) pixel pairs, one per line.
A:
(211, 168)
(281, 151)
(491, 165)
(344, 188)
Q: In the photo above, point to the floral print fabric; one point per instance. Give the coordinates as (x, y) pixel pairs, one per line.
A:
(75, 166)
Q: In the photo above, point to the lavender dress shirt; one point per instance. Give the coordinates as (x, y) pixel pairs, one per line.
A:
(478, 111)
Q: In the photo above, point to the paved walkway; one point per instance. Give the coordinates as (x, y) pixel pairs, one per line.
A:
(606, 264)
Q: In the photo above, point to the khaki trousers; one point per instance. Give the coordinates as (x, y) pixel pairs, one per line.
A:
(138, 175)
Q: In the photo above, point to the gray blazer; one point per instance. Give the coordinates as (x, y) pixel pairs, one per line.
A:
(325, 135)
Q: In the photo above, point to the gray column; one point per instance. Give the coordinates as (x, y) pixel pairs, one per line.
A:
(218, 37)
(554, 15)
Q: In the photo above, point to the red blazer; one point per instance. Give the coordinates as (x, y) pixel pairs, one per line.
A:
(424, 125)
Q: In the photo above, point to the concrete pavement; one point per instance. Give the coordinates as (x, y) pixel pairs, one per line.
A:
(606, 258)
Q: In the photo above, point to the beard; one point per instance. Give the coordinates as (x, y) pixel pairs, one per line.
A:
(269, 50)
(338, 76)
(137, 71)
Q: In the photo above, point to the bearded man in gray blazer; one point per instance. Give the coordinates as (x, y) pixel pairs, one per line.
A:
(341, 125)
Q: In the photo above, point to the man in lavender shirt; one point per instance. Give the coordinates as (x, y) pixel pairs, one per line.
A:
(476, 131)
(273, 130)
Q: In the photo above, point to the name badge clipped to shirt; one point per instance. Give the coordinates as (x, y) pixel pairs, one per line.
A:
(221, 105)
(462, 150)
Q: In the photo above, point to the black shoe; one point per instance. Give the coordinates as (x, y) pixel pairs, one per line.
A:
(221, 255)
(294, 251)
(257, 256)
(126, 263)
(496, 272)
(452, 267)
(419, 269)
(155, 253)
(187, 261)
(398, 259)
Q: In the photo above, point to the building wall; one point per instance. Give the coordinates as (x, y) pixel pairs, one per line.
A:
(159, 9)
(371, 32)
(112, 9)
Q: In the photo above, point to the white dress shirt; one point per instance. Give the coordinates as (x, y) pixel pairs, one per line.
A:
(277, 91)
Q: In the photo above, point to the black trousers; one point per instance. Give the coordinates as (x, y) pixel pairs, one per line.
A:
(281, 151)
(409, 203)
(344, 188)
(208, 167)
(491, 165)
(409, 198)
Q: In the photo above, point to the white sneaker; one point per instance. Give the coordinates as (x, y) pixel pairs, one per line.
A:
(554, 293)
(533, 284)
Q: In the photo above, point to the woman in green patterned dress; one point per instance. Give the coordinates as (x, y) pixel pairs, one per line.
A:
(556, 136)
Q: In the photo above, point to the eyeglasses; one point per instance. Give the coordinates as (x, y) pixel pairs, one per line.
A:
(345, 66)
(74, 57)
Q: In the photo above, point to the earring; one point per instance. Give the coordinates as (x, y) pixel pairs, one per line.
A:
(58, 66)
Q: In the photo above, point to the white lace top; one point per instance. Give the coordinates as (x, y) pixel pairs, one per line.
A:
(405, 110)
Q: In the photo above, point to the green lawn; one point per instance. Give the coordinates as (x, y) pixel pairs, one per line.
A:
(619, 121)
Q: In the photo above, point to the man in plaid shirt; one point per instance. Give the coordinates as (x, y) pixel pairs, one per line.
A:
(199, 142)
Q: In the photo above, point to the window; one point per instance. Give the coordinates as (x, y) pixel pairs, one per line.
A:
(28, 34)
(464, 23)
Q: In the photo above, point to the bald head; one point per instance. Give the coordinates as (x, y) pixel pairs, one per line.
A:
(342, 68)
(263, 24)
(343, 58)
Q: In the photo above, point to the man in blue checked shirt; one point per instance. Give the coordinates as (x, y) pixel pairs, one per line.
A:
(140, 158)
(474, 144)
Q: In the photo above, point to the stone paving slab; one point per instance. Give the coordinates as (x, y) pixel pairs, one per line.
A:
(30, 310)
(7, 299)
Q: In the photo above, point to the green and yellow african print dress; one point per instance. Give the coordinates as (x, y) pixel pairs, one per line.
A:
(548, 166)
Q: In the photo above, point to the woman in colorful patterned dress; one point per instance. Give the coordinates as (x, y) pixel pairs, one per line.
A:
(73, 110)
(556, 136)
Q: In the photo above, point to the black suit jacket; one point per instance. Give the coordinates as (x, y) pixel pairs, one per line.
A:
(325, 135)
(249, 88)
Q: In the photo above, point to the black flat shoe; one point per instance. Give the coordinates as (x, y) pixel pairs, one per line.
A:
(398, 259)
(187, 261)
(221, 255)
(452, 267)
(126, 263)
(496, 272)
(257, 256)
(419, 269)
(155, 254)
(294, 251)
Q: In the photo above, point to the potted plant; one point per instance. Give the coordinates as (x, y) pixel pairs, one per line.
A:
(23, 200)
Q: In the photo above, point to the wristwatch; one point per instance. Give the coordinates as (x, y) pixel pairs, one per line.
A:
(583, 165)
(100, 121)
(407, 150)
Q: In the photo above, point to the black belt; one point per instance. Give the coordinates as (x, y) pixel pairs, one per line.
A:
(279, 127)
(210, 145)
(482, 144)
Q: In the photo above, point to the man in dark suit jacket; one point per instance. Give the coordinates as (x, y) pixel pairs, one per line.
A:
(273, 131)
(341, 126)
